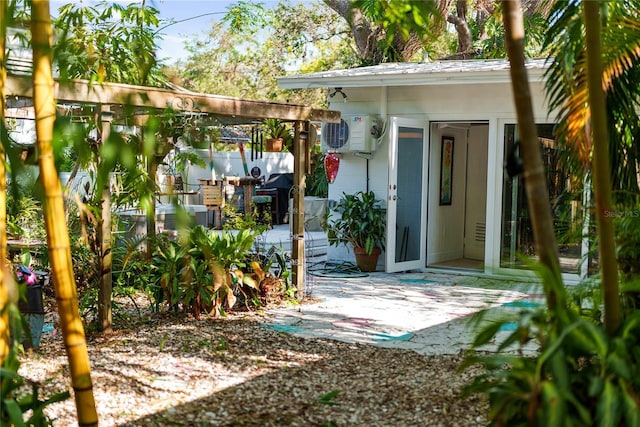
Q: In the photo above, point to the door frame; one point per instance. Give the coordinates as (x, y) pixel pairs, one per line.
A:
(391, 265)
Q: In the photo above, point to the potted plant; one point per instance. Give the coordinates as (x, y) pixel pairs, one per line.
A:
(277, 135)
(361, 224)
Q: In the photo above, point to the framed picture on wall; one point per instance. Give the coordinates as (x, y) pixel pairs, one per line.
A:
(446, 170)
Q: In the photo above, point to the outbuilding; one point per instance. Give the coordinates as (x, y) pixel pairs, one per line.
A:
(431, 140)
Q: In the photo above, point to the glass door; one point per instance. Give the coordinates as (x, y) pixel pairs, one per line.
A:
(407, 195)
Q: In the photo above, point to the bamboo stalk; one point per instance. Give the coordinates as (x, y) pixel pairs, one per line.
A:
(4, 273)
(58, 241)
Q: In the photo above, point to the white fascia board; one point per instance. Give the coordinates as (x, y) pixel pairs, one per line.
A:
(345, 80)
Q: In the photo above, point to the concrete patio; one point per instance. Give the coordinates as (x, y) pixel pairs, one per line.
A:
(429, 312)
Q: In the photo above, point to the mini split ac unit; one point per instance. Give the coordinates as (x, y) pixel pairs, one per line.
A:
(354, 133)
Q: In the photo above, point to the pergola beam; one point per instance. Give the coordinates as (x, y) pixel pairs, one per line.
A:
(236, 109)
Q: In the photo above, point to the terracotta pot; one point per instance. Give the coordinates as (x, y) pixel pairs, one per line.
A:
(366, 262)
(275, 144)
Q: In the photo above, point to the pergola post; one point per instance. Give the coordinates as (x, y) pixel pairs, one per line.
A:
(104, 234)
(297, 215)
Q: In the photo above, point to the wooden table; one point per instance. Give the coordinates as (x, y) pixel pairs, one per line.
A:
(213, 191)
(248, 185)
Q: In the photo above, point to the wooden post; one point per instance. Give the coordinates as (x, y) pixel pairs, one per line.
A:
(297, 214)
(105, 289)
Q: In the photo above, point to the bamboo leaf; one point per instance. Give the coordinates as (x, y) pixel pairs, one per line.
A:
(554, 405)
(14, 411)
(608, 409)
(487, 334)
(619, 366)
(631, 407)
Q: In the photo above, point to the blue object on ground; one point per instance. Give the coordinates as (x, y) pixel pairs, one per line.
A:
(381, 336)
(528, 304)
(509, 326)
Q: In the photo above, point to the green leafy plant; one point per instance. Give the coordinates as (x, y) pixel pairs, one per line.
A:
(273, 276)
(234, 220)
(20, 401)
(580, 376)
(198, 285)
(225, 254)
(181, 161)
(317, 184)
(361, 222)
(168, 262)
(275, 129)
(24, 215)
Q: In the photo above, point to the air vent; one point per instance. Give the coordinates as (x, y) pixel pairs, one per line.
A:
(480, 232)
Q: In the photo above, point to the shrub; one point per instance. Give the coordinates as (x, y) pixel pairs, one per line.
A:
(580, 377)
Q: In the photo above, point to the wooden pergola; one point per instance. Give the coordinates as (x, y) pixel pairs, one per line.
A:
(111, 99)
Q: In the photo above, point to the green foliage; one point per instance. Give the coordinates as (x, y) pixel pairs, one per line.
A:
(20, 401)
(492, 45)
(202, 273)
(131, 270)
(400, 20)
(124, 154)
(108, 41)
(182, 160)
(234, 220)
(85, 265)
(627, 228)
(317, 184)
(275, 129)
(578, 376)
(73, 146)
(361, 222)
(329, 398)
(168, 262)
(24, 216)
(566, 87)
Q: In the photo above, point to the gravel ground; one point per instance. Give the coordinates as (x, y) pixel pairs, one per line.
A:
(167, 370)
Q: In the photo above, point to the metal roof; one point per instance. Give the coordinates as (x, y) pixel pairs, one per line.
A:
(441, 72)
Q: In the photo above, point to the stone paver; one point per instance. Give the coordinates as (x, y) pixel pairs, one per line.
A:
(430, 313)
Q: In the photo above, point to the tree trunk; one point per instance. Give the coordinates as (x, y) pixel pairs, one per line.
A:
(600, 166)
(535, 180)
(104, 237)
(53, 206)
(4, 273)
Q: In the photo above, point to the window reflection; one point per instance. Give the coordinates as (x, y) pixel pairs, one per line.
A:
(565, 195)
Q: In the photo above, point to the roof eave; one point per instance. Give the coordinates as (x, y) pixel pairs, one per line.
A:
(404, 79)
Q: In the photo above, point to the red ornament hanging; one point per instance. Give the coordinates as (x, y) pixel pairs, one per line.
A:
(331, 166)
